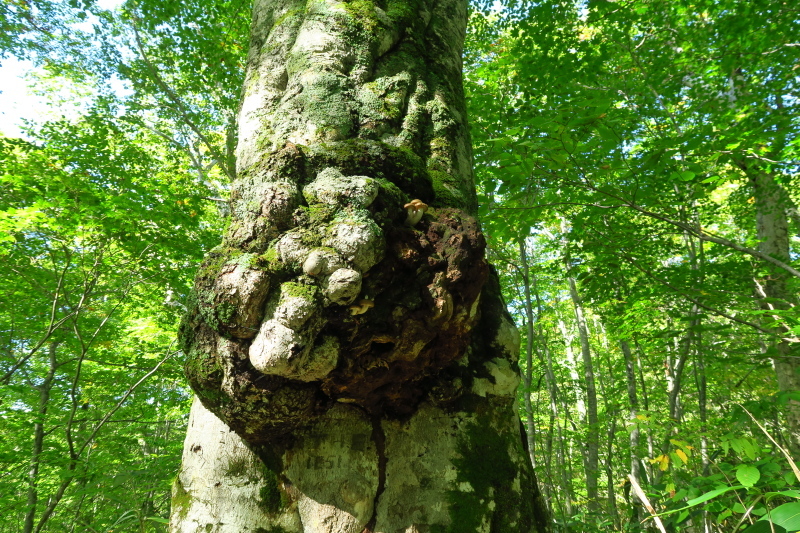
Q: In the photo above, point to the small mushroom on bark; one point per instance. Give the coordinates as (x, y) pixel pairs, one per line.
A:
(415, 209)
(361, 307)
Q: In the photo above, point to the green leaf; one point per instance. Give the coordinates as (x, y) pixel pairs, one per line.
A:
(785, 493)
(764, 527)
(786, 515)
(711, 495)
(744, 448)
(749, 449)
(747, 475)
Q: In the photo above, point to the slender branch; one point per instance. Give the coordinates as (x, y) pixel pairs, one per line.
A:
(51, 327)
(59, 494)
(177, 102)
(697, 232)
(125, 396)
(695, 301)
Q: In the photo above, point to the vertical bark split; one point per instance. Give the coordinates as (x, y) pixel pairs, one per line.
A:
(348, 331)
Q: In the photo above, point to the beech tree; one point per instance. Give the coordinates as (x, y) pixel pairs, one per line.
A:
(353, 360)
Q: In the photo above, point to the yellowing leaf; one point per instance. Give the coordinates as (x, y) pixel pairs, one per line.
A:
(680, 453)
(662, 461)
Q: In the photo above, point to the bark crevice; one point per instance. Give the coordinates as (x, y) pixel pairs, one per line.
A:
(379, 438)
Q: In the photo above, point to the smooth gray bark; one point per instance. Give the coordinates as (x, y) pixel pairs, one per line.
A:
(354, 362)
(527, 377)
(592, 450)
(773, 234)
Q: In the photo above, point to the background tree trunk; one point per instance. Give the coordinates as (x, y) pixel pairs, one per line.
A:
(38, 438)
(592, 450)
(773, 233)
(355, 344)
(527, 377)
(633, 435)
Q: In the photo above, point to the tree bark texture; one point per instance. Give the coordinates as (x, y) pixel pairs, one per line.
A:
(633, 420)
(772, 228)
(354, 362)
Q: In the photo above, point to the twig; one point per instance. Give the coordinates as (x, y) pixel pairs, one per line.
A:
(643, 497)
(747, 513)
(781, 448)
(177, 101)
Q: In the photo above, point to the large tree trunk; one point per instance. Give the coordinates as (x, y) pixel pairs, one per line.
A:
(353, 360)
(773, 234)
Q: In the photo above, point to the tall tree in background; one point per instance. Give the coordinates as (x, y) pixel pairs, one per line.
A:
(348, 330)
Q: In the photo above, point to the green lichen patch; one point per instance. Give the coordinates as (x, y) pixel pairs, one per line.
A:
(181, 499)
(402, 12)
(271, 499)
(446, 191)
(353, 216)
(270, 262)
(238, 466)
(292, 17)
(325, 101)
(363, 12)
(305, 291)
(287, 164)
(226, 311)
(486, 466)
(310, 237)
(203, 368)
(213, 263)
